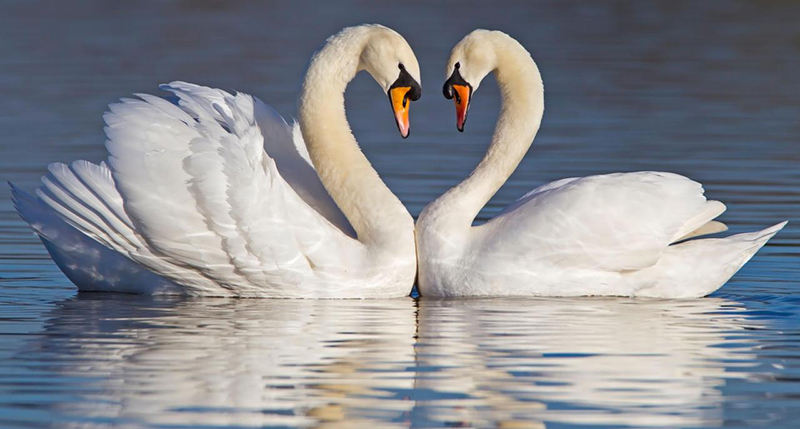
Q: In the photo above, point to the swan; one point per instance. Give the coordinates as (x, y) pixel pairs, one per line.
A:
(216, 195)
(611, 235)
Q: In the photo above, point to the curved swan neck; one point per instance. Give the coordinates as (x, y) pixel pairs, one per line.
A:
(372, 209)
(521, 111)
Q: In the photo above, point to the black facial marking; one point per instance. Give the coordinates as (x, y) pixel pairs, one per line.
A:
(405, 80)
(455, 79)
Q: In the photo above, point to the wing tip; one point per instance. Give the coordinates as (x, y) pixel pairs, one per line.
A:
(177, 84)
(718, 206)
(774, 229)
(57, 168)
(24, 203)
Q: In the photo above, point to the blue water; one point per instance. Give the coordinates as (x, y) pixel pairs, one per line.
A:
(706, 89)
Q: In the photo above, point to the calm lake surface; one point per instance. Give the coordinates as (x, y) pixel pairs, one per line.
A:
(706, 89)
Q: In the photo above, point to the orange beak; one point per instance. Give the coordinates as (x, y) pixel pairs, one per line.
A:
(461, 95)
(400, 105)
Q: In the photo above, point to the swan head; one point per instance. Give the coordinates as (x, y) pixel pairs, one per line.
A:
(388, 58)
(470, 61)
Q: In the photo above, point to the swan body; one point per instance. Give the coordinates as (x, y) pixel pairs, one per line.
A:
(217, 195)
(612, 235)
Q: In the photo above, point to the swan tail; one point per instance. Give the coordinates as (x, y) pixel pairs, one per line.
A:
(696, 268)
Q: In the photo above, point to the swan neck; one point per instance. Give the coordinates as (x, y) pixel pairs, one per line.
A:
(521, 111)
(369, 205)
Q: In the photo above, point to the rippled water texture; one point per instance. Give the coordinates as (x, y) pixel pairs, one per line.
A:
(705, 89)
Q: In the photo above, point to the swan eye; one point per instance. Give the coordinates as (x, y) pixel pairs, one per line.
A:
(458, 66)
(401, 66)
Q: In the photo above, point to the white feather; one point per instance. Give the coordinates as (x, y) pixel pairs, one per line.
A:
(611, 234)
(216, 195)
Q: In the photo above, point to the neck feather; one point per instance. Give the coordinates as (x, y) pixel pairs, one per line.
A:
(521, 113)
(372, 209)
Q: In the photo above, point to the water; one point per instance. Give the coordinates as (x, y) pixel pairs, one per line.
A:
(705, 89)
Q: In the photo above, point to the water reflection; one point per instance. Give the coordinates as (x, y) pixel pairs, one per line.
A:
(489, 362)
(705, 89)
(613, 362)
(219, 362)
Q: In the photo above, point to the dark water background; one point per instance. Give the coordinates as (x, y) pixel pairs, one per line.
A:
(706, 89)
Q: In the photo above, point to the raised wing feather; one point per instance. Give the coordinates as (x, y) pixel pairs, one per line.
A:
(611, 222)
(79, 205)
(202, 192)
(285, 145)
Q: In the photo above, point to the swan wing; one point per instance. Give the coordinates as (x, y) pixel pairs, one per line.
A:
(94, 261)
(80, 216)
(286, 146)
(216, 185)
(614, 222)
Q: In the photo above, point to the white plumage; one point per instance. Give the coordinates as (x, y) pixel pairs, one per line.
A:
(216, 195)
(615, 234)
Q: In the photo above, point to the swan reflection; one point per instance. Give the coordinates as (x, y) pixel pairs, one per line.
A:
(393, 363)
(587, 361)
(235, 362)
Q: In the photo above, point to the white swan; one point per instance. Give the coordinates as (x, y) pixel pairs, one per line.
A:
(217, 195)
(613, 234)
